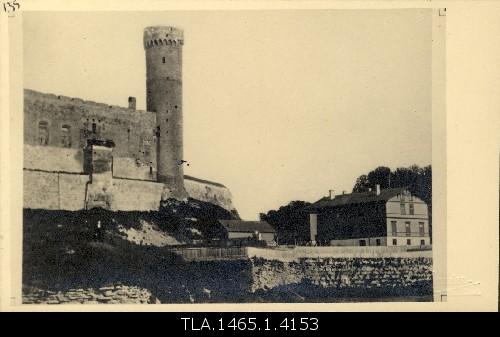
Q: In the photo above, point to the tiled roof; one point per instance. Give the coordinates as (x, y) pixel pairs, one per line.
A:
(247, 226)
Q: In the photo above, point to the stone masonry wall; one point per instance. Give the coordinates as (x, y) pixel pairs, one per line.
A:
(344, 274)
(66, 191)
(55, 133)
(113, 294)
(133, 131)
(216, 194)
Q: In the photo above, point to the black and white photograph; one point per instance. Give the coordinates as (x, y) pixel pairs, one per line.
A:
(229, 156)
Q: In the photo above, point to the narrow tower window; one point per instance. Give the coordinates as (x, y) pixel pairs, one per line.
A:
(163, 59)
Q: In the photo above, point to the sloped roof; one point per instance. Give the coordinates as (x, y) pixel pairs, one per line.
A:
(356, 198)
(247, 226)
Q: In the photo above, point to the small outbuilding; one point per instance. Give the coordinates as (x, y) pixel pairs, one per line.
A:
(240, 232)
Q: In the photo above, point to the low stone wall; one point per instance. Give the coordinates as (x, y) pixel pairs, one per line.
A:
(114, 294)
(298, 253)
(389, 276)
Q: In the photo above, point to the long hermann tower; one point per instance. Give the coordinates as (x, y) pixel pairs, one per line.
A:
(163, 46)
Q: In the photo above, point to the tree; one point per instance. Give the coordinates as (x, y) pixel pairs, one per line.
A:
(362, 184)
(417, 179)
(290, 222)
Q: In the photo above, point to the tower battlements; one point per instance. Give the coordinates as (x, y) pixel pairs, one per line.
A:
(163, 36)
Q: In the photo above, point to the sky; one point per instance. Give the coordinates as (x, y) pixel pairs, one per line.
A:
(278, 105)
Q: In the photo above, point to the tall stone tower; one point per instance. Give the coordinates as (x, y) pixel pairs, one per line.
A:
(163, 47)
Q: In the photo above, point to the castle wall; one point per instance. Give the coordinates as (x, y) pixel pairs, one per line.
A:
(72, 191)
(54, 173)
(41, 190)
(135, 195)
(132, 131)
(49, 158)
(63, 191)
(126, 167)
(213, 193)
(48, 190)
(66, 191)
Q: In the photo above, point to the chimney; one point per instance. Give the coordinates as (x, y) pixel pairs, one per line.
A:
(378, 189)
(332, 194)
(344, 192)
(131, 103)
(313, 226)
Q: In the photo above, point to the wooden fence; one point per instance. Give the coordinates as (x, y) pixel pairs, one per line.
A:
(211, 253)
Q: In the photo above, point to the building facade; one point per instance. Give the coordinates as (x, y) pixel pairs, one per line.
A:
(390, 217)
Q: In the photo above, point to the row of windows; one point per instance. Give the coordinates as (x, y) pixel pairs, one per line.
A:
(411, 208)
(394, 242)
(394, 228)
(408, 242)
(43, 134)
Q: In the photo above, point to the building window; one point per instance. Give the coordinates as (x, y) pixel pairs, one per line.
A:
(43, 133)
(403, 209)
(394, 242)
(394, 228)
(362, 242)
(408, 228)
(421, 228)
(94, 128)
(408, 242)
(412, 209)
(66, 136)
(422, 242)
(377, 242)
(163, 59)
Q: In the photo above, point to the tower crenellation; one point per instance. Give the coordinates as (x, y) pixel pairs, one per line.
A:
(163, 36)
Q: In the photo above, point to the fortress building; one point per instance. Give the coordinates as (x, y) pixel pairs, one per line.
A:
(81, 154)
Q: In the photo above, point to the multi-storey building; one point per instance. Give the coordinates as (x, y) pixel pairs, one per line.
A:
(390, 217)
